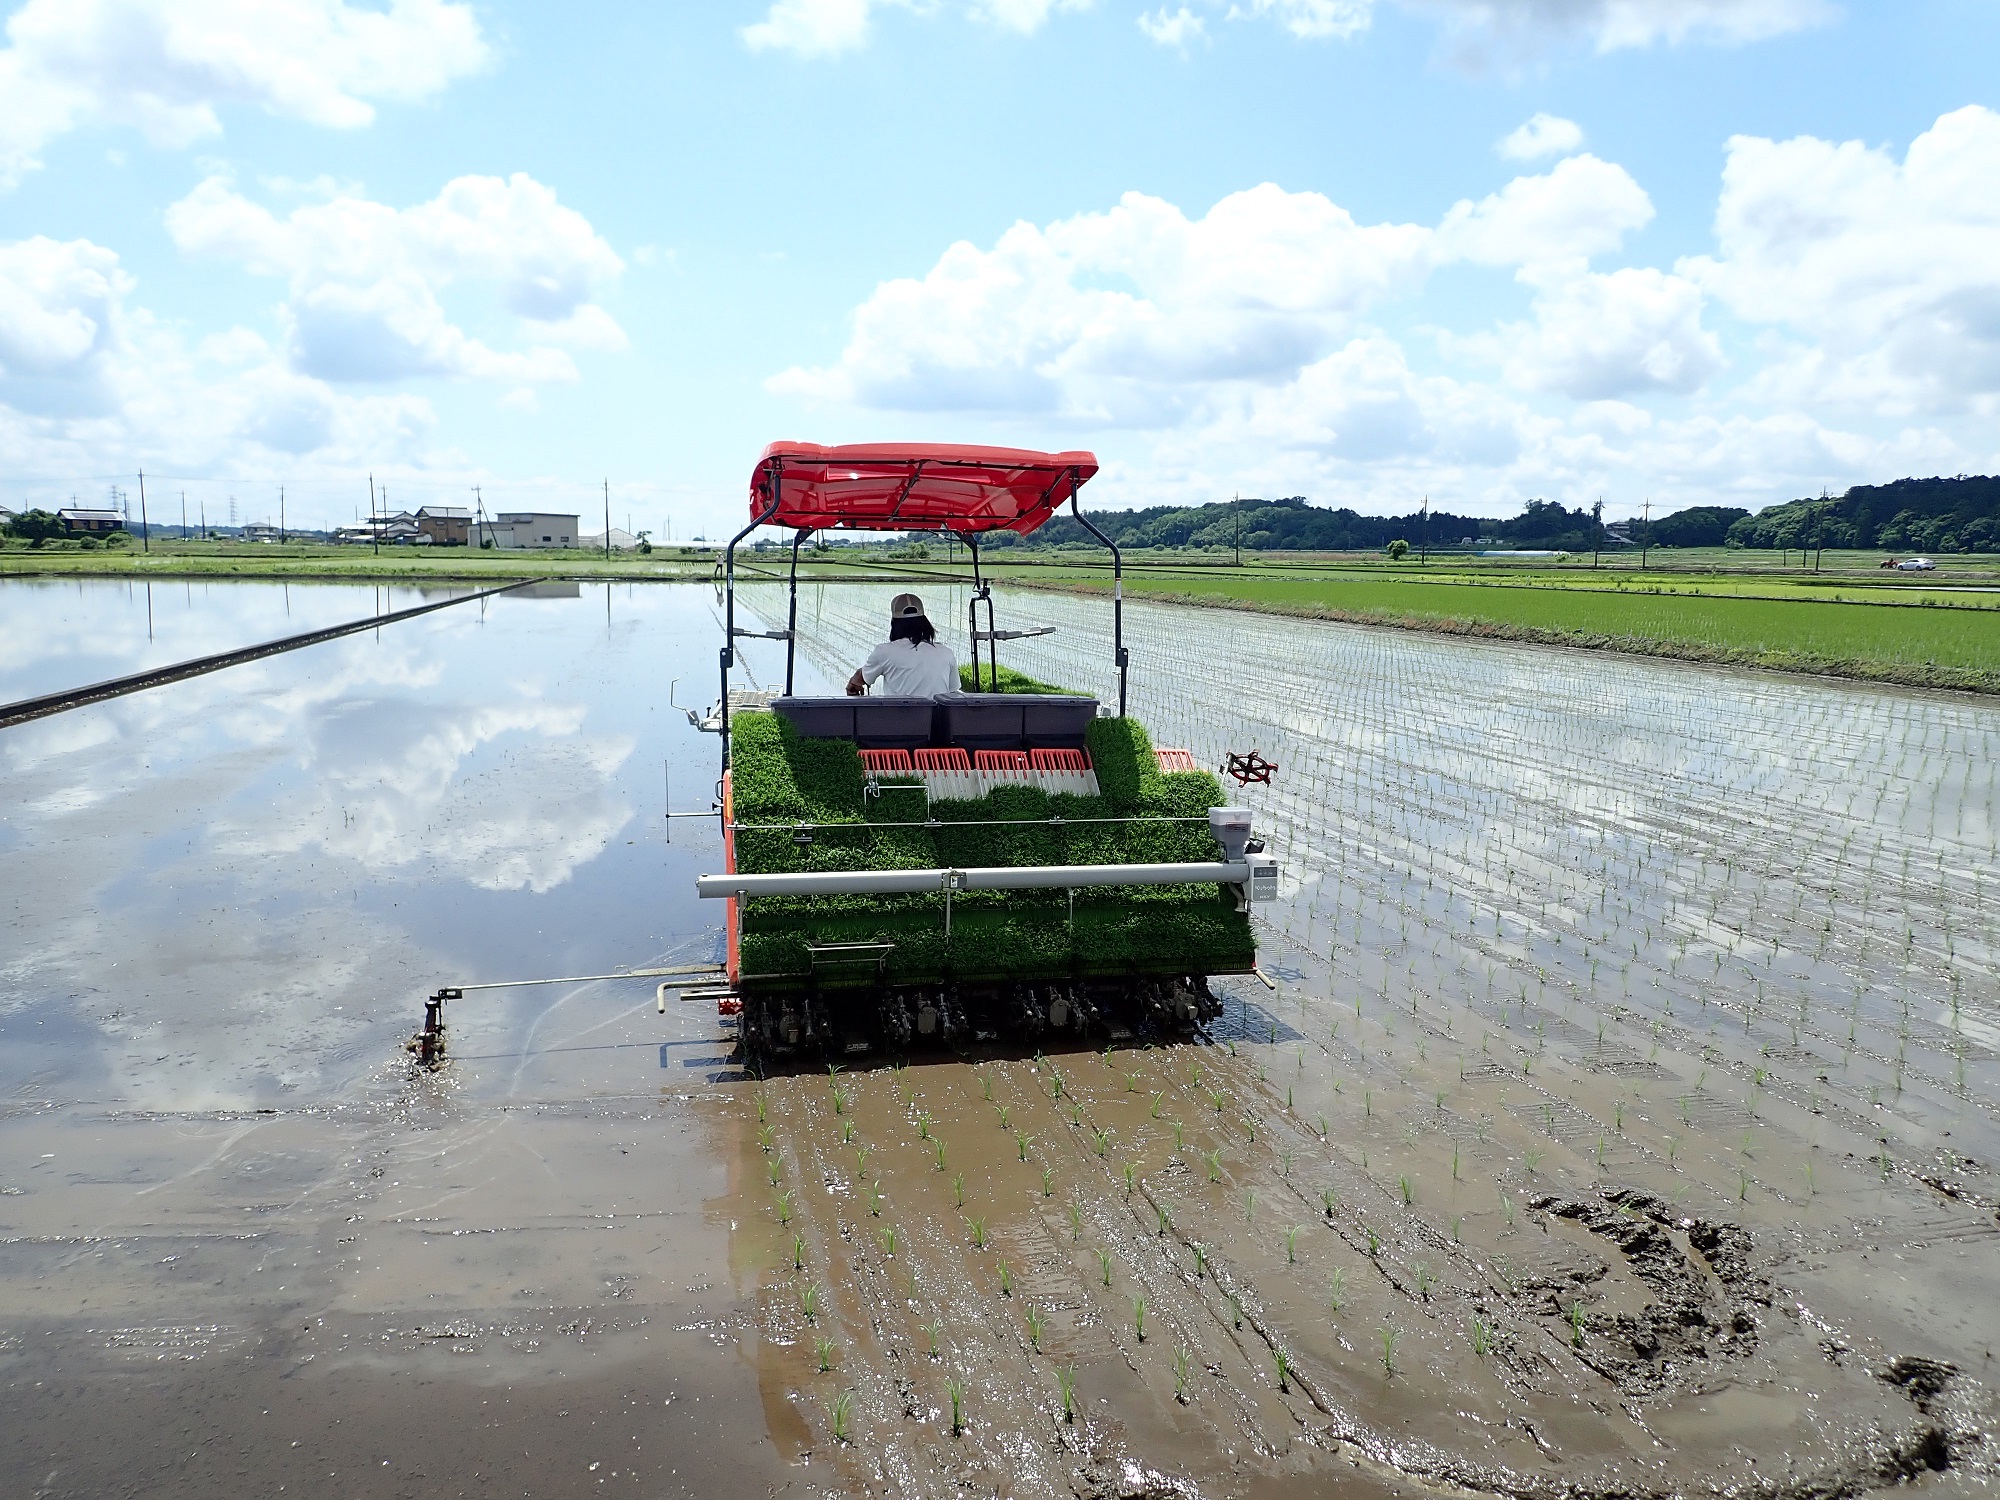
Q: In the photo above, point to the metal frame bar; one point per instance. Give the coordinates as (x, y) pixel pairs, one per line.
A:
(975, 878)
(729, 599)
(792, 617)
(1119, 653)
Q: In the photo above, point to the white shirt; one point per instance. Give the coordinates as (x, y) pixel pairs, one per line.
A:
(909, 670)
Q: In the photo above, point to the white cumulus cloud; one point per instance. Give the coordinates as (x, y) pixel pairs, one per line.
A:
(1887, 272)
(1532, 26)
(1179, 28)
(1622, 333)
(85, 373)
(166, 67)
(1541, 135)
(366, 279)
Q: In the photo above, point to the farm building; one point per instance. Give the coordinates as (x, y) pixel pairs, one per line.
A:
(530, 528)
(93, 522)
(445, 525)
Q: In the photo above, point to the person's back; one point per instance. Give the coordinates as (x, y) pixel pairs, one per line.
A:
(913, 662)
(912, 669)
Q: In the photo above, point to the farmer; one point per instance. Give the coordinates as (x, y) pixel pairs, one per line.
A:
(913, 662)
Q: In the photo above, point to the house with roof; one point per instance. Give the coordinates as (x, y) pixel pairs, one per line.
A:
(85, 521)
(445, 525)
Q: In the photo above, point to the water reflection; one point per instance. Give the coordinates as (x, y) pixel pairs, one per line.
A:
(238, 887)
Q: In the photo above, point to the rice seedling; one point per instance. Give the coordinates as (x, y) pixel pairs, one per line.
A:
(887, 1234)
(1139, 1319)
(1214, 1160)
(1577, 1319)
(1284, 1364)
(1180, 1144)
(1103, 1142)
(940, 1156)
(931, 1336)
(798, 1252)
(986, 1082)
(1330, 1200)
(1066, 1383)
(1374, 1244)
(958, 1189)
(1336, 1295)
(1533, 1156)
(1409, 1194)
(1743, 1185)
(840, 1102)
(846, 1132)
(809, 1302)
(1003, 1118)
(824, 1348)
(954, 1390)
(1156, 1105)
(1482, 1337)
(784, 1208)
(978, 1228)
(1036, 1323)
(1075, 1222)
(1006, 1281)
(760, 1109)
(1048, 1182)
(839, 1410)
(923, 1127)
(1200, 1260)
(1162, 1212)
(1104, 1265)
(1131, 1174)
(1183, 1368)
(1022, 1140)
(1424, 1281)
(765, 1135)
(1456, 1221)
(772, 1167)
(1292, 1245)
(874, 1201)
(1390, 1337)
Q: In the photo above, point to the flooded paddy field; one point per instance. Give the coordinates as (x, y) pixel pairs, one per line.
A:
(1622, 1120)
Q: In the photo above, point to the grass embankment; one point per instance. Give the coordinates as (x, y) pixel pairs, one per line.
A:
(1921, 644)
(318, 561)
(780, 779)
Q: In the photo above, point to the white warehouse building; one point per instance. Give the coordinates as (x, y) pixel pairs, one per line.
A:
(528, 528)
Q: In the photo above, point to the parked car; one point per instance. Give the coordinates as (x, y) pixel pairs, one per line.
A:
(1916, 565)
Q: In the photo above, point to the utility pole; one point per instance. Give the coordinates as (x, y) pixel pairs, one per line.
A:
(281, 514)
(184, 515)
(204, 520)
(373, 530)
(479, 514)
(1644, 546)
(1597, 531)
(1236, 514)
(145, 531)
(1424, 545)
(607, 521)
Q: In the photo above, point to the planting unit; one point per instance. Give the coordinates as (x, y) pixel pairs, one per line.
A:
(1006, 858)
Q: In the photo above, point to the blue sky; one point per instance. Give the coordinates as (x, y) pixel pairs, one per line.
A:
(1276, 247)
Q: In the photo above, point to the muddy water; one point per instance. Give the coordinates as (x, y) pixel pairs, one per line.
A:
(1621, 1120)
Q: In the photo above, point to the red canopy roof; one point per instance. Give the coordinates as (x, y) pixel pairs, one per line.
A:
(914, 486)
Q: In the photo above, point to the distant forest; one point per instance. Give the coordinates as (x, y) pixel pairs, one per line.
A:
(1294, 525)
(1910, 515)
